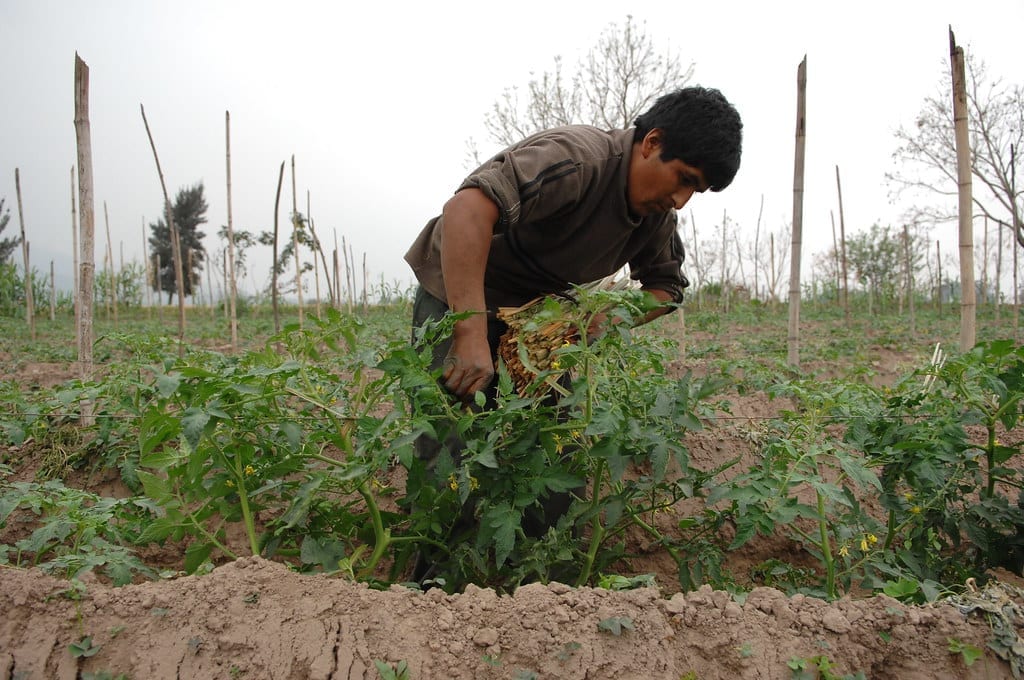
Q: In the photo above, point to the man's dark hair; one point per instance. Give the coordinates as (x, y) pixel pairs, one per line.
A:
(700, 128)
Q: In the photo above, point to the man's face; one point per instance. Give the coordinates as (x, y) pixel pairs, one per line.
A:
(657, 186)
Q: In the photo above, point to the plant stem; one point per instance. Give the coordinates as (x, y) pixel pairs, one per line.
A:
(243, 498)
(826, 549)
(382, 536)
(597, 535)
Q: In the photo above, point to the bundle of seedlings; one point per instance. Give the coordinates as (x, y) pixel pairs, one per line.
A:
(540, 328)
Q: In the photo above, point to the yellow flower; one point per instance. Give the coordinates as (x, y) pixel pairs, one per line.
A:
(249, 470)
(376, 485)
(872, 539)
(453, 482)
(916, 510)
(566, 344)
(474, 483)
(864, 544)
(555, 365)
(909, 495)
(844, 551)
(230, 484)
(558, 444)
(575, 434)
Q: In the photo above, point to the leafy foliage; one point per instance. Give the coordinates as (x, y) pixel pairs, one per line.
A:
(188, 213)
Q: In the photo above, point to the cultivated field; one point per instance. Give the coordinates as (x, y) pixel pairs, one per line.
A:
(245, 514)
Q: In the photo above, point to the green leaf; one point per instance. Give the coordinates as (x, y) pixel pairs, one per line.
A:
(166, 384)
(500, 522)
(193, 422)
(155, 487)
(616, 624)
(196, 554)
(859, 473)
(325, 552)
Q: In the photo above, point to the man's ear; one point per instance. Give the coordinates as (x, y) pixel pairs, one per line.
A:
(651, 142)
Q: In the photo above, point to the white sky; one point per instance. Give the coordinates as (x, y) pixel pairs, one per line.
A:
(377, 100)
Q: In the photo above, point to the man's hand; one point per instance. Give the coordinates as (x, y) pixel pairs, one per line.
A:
(468, 367)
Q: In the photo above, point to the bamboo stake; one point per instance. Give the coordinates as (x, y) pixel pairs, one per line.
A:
(295, 244)
(842, 241)
(700, 284)
(318, 248)
(798, 215)
(910, 281)
(29, 304)
(74, 247)
(835, 252)
(224, 274)
(159, 293)
(273, 276)
(87, 272)
(999, 268)
(316, 280)
(232, 292)
(1016, 230)
(53, 293)
(179, 276)
(336, 297)
(984, 268)
(149, 273)
(963, 166)
(337, 274)
(352, 274)
(112, 293)
(209, 285)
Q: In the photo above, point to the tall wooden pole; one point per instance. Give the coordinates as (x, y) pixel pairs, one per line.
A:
(179, 276)
(1016, 230)
(149, 272)
(74, 247)
(273, 276)
(968, 306)
(842, 246)
(793, 356)
(87, 272)
(233, 292)
(910, 280)
(295, 244)
(30, 316)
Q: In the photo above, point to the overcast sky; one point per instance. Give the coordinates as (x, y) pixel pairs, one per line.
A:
(376, 102)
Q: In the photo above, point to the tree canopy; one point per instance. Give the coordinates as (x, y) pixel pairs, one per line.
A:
(188, 212)
(927, 151)
(617, 80)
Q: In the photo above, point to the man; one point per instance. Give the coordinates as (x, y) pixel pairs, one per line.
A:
(569, 206)
(565, 206)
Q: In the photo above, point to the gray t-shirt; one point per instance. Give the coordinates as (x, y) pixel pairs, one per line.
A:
(564, 220)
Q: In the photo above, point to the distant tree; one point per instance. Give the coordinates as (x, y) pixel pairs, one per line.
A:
(189, 212)
(874, 257)
(305, 238)
(927, 152)
(615, 82)
(7, 245)
(243, 241)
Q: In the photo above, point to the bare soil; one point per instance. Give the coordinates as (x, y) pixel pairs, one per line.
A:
(257, 619)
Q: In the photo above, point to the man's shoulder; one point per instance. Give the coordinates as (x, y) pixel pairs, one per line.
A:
(586, 138)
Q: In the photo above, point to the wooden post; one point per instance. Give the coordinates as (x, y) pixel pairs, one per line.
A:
(999, 266)
(793, 356)
(111, 276)
(87, 273)
(963, 167)
(179, 277)
(159, 292)
(74, 247)
(53, 293)
(30, 317)
(295, 244)
(984, 266)
(273, 275)
(337, 274)
(842, 243)
(1016, 230)
(910, 280)
(149, 276)
(231, 292)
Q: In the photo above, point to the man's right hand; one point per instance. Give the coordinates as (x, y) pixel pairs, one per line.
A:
(468, 368)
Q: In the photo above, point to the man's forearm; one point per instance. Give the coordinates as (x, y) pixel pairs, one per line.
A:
(469, 219)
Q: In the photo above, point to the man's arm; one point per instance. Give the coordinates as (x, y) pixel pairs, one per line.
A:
(469, 219)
